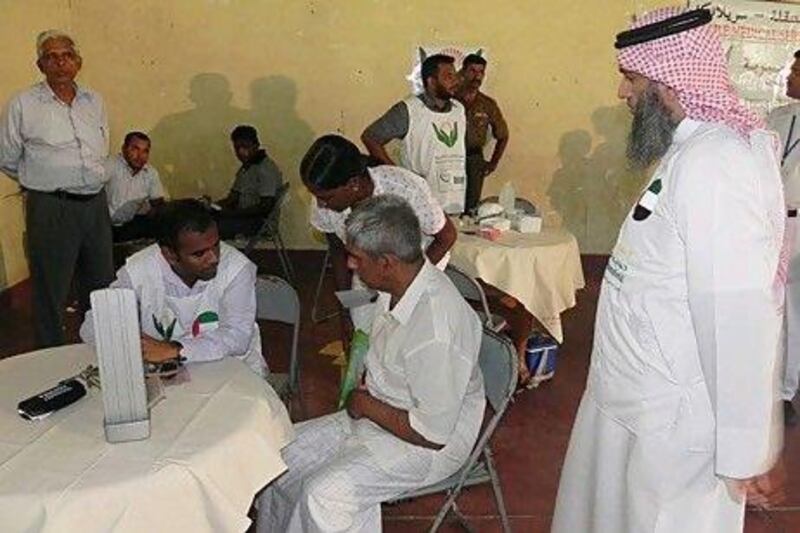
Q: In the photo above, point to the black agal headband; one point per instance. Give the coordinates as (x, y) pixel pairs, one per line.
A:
(662, 28)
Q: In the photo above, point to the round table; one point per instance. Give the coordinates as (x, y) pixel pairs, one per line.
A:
(215, 441)
(541, 270)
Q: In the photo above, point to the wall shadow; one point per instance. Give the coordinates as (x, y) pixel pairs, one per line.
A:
(3, 273)
(191, 149)
(286, 137)
(593, 190)
(567, 189)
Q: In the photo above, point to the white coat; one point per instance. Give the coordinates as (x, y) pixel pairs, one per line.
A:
(682, 391)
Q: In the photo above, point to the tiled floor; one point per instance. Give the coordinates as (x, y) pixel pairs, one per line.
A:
(529, 445)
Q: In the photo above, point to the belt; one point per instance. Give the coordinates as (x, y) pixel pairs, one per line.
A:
(791, 213)
(64, 195)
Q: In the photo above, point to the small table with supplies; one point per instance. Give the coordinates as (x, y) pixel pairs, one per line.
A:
(541, 270)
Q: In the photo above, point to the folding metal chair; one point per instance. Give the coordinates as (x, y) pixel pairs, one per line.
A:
(316, 316)
(277, 301)
(472, 291)
(270, 230)
(498, 363)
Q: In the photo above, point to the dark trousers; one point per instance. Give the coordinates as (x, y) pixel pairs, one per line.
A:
(229, 227)
(66, 237)
(139, 227)
(476, 166)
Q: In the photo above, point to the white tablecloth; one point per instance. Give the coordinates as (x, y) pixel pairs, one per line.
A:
(541, 270)
(215, 441)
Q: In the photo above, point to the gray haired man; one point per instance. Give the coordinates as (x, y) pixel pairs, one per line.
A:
(415, 417)
(53, 141)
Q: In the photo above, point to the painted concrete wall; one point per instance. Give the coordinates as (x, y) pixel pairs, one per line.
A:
(187, 71)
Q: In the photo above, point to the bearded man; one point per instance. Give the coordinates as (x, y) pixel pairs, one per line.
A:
(680, 423)
(431, 127)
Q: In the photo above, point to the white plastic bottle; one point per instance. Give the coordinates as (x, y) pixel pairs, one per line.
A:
(507, 198)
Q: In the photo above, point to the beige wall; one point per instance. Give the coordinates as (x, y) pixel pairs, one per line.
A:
(187, 71)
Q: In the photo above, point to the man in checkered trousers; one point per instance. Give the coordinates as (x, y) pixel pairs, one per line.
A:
(680, 424)
(415, 418)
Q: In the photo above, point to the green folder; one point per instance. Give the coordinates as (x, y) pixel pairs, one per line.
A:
(359, 345)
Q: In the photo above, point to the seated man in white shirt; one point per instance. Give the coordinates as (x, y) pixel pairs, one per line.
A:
(134, 190)
(416, 416)
(196, 295)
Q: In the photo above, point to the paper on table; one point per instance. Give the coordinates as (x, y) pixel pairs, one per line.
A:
(356, 297)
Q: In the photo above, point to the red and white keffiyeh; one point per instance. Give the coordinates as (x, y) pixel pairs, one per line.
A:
(693, 64)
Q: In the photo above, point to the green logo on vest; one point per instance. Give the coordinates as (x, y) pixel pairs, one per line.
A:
(165, 332)
(447, 139)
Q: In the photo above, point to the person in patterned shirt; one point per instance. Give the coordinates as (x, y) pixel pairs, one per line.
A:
(340, 177)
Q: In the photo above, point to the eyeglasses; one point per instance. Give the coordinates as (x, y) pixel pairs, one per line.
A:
(53, 57)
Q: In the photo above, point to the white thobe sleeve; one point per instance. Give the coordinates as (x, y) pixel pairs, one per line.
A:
(86, 332)
(11, 144)
(731, 267)
(437, 374)
(237, 317)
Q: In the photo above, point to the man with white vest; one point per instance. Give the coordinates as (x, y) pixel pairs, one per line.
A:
(196, 294)
(786, 121)
(432, 127)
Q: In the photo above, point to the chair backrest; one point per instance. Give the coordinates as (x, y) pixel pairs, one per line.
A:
(271, 224)
(281, 198)
(469, 288)
(276, 300)
(498, 362)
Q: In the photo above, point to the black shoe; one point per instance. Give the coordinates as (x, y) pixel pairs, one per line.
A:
(789, 414)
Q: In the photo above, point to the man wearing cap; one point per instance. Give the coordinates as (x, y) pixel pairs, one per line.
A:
(680, 423)
(54, 142)
(786, 121)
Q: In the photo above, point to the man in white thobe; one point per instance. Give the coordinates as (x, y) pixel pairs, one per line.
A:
(196, 295)
(680, 423)
(416, 416)
(786, 121)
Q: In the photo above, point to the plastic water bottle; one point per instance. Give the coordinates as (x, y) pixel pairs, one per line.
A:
(507, 198)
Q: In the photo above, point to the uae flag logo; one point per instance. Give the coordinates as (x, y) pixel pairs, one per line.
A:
(648, 201)
(206, 321)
